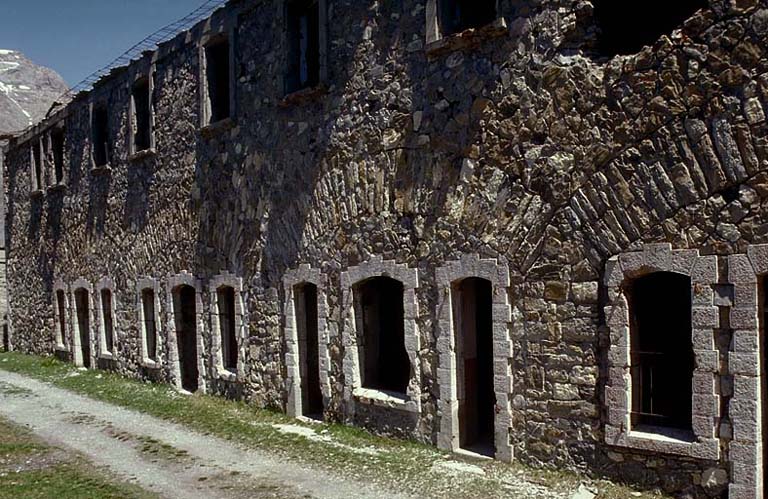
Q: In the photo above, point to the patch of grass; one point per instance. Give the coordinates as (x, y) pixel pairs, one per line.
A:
(351, 452)
(29, 469)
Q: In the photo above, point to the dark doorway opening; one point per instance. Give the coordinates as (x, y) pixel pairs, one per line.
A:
(185, 316)
(305, 303)
(150, 325)
(460, 15)
(106, 314)
(385, 363)
(62, 309)
(763, 314)
(6, 336)
(83, 325)
(303, 45)
(627, 27)
(473, 323)
(661, 350)
(225, 296)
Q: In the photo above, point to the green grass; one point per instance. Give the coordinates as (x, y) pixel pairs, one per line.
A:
(29, 469)
(395, 464)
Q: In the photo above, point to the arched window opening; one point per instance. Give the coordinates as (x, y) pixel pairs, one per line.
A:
(662, 359)
(384, 359)
(225, 298)
(473, 326)
(305, 306)
(150, 324)
(185, 319)
(82, 306)
(627, 27)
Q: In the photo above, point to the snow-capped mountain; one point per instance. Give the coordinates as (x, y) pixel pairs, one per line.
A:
(26, 91)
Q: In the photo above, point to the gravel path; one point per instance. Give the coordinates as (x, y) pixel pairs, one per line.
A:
(163, 457)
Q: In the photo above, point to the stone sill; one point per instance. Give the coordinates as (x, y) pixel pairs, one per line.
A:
(665, 441)
(138, 156)
(150, 364)
(101, 170)
(106, 356)
(61, 348)
(226, 375)
(61, 186)
(390, 400)
(467, 38)
(304, 96)
(221, 126)
(37, 193)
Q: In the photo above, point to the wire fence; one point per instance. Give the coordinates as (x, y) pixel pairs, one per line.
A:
(149, 43)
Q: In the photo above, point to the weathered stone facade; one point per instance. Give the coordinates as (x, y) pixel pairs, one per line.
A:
(517, 152)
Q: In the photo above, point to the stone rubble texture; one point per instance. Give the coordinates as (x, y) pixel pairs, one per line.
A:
(525, 147)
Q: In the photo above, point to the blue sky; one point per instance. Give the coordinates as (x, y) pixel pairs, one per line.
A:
(77, 37)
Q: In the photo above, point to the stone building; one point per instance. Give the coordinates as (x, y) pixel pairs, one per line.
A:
(532, 229)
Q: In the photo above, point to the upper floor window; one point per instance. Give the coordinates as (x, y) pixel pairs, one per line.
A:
(57, 144)
(662, 358)
(37, 165)
(460, 15)
(217, 94)
(100, 135)
(141, 122)
(303, 28)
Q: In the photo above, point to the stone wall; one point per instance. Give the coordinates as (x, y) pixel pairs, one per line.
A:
(519, 144)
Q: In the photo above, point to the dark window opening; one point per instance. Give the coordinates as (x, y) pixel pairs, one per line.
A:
(763, 345)
(662, 360)
(226, 304)
(217, 80)
(303, 45)
(100, 132)
(185, 317)
(106, 315)
(6, 337)
(385, 363)
(150, 326)
(38, 165)
(83, 325)
(57, 142)
(460, 15)
(627, 27)
(473, 315)
(62, 309)
(305, 304)
(142, 109)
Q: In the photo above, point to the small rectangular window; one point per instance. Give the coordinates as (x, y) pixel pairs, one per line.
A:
(37, 165)
(150, 326)
(142, 115)
(460, 15)
(106, 317)
(57, 143)
(217, 80)
(226, 304)
(100, 135)
(303, 17)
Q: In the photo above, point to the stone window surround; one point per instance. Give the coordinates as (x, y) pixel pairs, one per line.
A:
(181, 279)
(227, 279)
(77, 352)
(144, 70)
(471, 265)
(108, 284)
(434, 33)
(703, 271)
(60, 336)
(305, 274)
(745, 409)
(353, 390)
(154, 285)
(217, 31)
(322, 10)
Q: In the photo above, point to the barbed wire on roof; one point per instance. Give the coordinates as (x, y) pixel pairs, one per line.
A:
(147, 44)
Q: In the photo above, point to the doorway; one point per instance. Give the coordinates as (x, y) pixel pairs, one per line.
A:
(305, 296)
(473, 316)
(185, 317)
(82, 306)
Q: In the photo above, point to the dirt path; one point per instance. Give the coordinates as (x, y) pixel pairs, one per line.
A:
(163, 457)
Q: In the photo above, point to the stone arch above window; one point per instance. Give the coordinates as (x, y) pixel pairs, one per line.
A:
(105, 310)
(83, 351)
(176, 357)
(351, 334)
(221, 343)
(448, 277)
(293, 279)
(61, 315)
(620, 273)
(148, 308)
